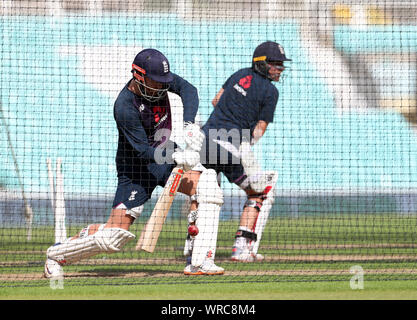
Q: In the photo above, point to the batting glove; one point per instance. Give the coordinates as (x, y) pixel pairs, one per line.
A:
(193, 136)
(187, 158)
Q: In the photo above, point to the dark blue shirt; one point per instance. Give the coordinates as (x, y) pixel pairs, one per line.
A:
(247, 98)
(138, 121)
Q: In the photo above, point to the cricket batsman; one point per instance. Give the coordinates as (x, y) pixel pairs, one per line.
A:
(245, 105)
(145, 158)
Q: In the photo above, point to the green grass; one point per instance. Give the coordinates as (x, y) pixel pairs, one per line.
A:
(323, 290)
(309, 258)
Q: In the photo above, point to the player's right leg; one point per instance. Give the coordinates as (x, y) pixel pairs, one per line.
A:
(202, 247)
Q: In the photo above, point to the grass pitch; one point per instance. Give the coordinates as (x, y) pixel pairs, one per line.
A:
(323, 290)
(305, 258)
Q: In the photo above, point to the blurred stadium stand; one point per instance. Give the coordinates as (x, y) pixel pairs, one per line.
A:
(344, 131)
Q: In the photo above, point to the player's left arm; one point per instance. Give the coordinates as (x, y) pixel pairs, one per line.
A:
(189, 97)
(193, 137)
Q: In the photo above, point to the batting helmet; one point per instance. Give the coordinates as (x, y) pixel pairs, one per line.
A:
(267, 52)
(154, 65)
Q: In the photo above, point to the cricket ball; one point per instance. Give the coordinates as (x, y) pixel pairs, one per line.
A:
(193, 230)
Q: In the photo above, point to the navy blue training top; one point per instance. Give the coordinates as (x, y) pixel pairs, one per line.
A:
(248, 98)
(138, 121)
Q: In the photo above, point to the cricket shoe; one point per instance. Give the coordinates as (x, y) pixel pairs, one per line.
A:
(245, 255)
(52, 269)
(207, 268)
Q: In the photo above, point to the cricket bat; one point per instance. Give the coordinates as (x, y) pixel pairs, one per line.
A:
(150, 233)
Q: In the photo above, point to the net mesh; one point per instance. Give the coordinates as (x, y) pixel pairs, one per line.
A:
(343, 139)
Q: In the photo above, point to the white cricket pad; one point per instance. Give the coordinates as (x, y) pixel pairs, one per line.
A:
(112, 239)
(210, 201)
(206, 239)
(248, 159)
(264, 212)
(104, 240)
(262, 180)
